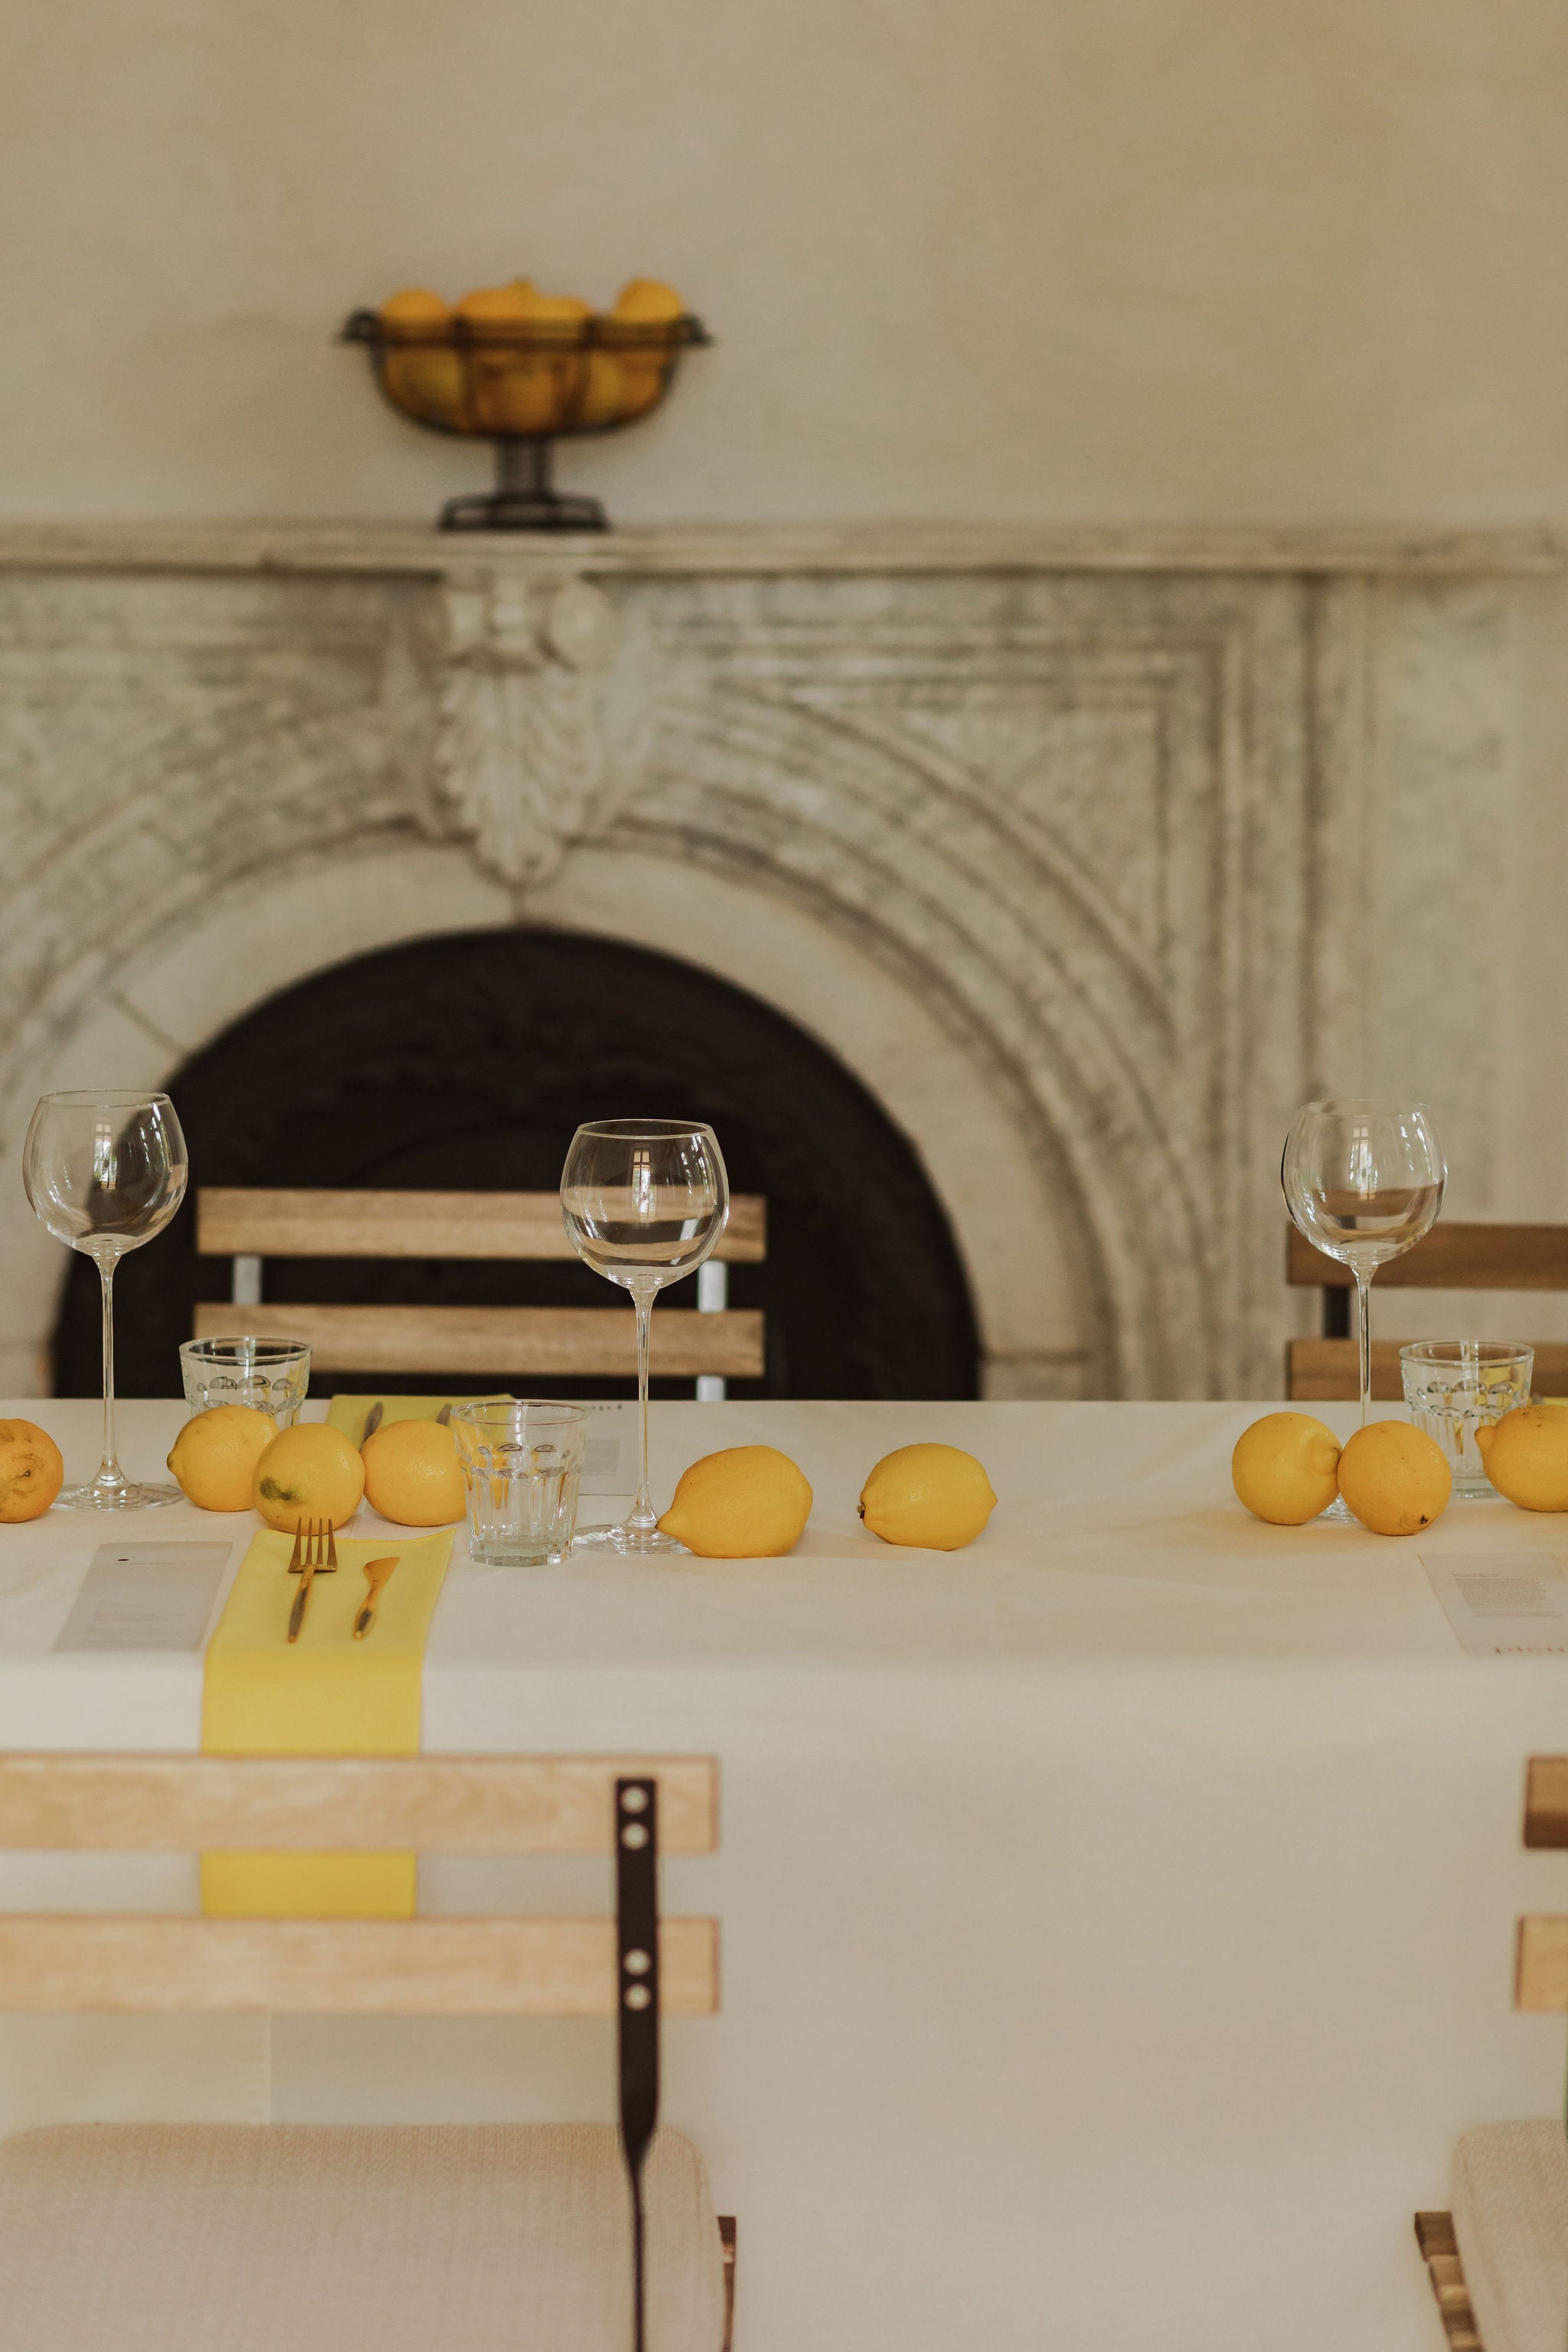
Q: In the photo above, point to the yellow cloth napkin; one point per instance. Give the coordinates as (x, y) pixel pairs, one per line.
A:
(350, 1414)
(326, 1695)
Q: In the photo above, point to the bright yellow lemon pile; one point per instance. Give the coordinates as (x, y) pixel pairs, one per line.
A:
(463, 366)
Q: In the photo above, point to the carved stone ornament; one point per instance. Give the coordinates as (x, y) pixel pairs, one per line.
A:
(518, 755)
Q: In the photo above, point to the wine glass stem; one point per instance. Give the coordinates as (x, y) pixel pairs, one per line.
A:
(109, 1473)
(1363, 1338)
(643, 1515)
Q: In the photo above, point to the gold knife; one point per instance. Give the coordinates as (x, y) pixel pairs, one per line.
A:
(376, 1574)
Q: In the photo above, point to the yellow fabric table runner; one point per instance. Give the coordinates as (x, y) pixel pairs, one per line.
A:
(350, 1414)
(326, 1695)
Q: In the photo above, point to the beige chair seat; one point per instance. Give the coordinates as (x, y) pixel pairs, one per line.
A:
(1511, 2226)
(286, 2238)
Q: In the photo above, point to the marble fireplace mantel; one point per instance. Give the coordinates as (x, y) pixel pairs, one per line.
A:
(1091, 851)
(736, 551)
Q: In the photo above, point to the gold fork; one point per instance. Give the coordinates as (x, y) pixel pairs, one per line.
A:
(315, 1553)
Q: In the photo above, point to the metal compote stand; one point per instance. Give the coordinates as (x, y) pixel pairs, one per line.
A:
(524, 388)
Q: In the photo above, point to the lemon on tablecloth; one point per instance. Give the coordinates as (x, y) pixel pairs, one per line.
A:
(936, 1498)
(32, 1471)
(748, 1502)
(308, 1472)
(412, 1474)
(1394, 1478)
(1526, 1456)
(1284, 1468)
(215, 1456)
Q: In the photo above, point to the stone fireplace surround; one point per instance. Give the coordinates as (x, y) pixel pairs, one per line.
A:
(1091, 852)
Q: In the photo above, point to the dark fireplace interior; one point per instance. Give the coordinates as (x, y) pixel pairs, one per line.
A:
(466, 1063)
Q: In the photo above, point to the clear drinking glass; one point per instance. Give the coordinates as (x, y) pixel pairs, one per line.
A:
(1364, 1180)
(1454, 1387)
(271, 1375)
(644, 1200)
(521, 1463)
(105, 1172)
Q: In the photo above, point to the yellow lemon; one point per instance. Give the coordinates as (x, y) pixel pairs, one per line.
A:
(31, 1471)
(215, 1455)
(936, 1497)
(1526, 1456)
(644, 302)
(1395, 1479)
(1284, 1467)
(308, 1472)
(648, 301)
(747, 1503)
(412, 1474)
(428, 380)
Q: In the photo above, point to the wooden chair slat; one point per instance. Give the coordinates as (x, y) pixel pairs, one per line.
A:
(571, 1342)
(1327, 1372)
(445, 1804)
(1540, 1965)
(234, 1223)
(408, 1968)
(1434, 2234)
(1546, 1801)
(1452, 1257)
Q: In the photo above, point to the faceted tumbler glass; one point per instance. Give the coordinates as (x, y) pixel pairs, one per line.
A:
(521, 1461)
(1454, 1387)
(271, 1375)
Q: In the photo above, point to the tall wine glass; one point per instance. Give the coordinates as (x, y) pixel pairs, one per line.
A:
(643, 1200)
(1364, 1180)
(105, 1172)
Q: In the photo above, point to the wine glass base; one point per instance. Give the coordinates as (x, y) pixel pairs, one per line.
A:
(129, 1497)
(1341, 1510)
(631, 1543)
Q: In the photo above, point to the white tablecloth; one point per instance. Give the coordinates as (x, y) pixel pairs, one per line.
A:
(1118, 1913)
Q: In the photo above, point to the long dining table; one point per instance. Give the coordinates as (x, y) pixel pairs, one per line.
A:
(1117, 1914)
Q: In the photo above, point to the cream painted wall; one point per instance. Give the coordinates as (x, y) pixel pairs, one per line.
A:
(1086, 260)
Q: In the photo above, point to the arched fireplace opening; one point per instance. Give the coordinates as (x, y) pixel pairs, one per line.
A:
(466, 1063)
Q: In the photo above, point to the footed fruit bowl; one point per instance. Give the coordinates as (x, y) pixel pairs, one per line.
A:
(520, 369)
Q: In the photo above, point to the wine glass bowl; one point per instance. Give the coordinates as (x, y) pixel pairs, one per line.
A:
(644, 1202)
(104, 1172)
(1363, 1181)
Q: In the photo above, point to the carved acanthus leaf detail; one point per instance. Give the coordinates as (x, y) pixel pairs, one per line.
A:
(518, 755)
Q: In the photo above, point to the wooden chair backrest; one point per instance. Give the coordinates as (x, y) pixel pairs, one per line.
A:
(1541, 1959)
(564, 1343)
(1452, 1257)
(428, 1967)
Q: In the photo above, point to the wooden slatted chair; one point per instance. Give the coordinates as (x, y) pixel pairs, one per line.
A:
(342, 2239)
(711, 1343)
(1498, 2261)
(1449, 1257)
